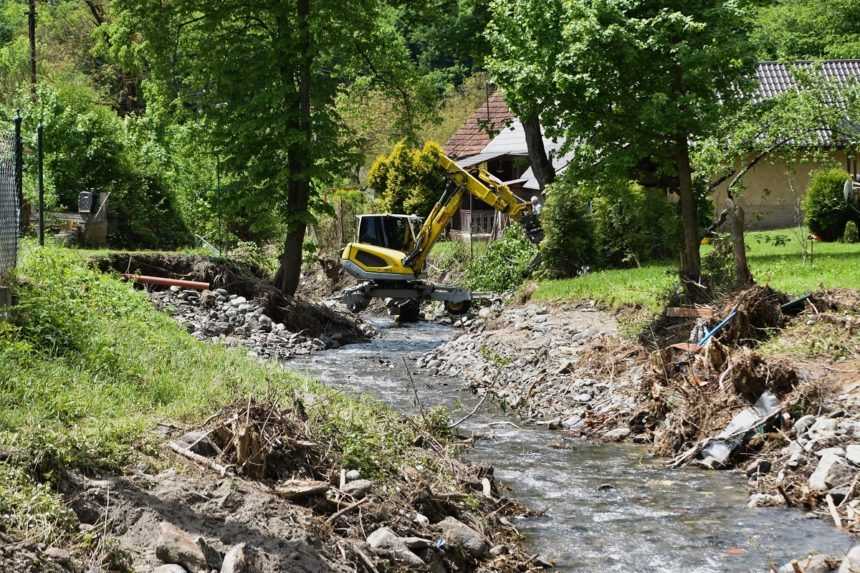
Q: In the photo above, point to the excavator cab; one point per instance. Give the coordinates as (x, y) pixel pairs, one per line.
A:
(395, 232)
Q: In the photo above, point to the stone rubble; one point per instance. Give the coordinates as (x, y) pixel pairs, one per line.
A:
(531, 358)
(218, 316)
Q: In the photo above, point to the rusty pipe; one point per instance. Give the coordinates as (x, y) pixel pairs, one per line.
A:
(161, 281)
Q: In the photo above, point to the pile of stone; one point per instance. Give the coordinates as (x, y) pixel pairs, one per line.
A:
(821, 563)
(533, 359)
(236, 321)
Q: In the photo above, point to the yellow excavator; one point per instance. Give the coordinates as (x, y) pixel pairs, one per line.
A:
(391, 250)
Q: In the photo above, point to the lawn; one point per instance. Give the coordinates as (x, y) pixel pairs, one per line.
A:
(774, 256)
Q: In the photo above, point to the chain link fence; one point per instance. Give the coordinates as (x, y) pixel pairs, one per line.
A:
(9, 207)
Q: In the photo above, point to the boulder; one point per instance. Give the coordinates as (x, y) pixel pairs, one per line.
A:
(825, 473)
(823, 428)
(812, 564)
(193, 553)
(765, 500)
(617, 434)
(358, 488)
(852, 452)
(384, 539)
(240, 559)
(458, 534)
(851, 563)
(353, 475)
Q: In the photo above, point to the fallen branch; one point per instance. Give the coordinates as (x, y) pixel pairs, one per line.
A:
(346, 509)
(222, 470)
(470, 414)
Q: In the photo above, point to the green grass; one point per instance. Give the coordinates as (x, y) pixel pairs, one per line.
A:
(835, 265)
(88, 368)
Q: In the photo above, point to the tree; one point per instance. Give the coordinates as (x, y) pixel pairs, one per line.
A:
(808, 29)
(633, 83)
(265, 76)
(525, 38)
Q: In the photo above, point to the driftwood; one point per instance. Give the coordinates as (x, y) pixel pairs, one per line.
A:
(346, 509)
(222, 470)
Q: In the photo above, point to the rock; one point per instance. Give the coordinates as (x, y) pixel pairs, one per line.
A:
(584, 397)
(823, 476)
(497, 550)
(852, 452)
(421, 519)
(812, 564)
(358, 488)
(757, 467)
(353, 475)
(485, 313)
(57, 554)
(198, 442)
(617, 434)
(193, 553)
(240, 559)
(851, 563)
(208, 298)
(385, 539)
(765, 500)
(458, 534)
(172, 568)
(238, 301)
(572, 423)
(837, 451)
(823, 428)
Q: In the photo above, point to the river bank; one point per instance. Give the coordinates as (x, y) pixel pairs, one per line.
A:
(128, 445)
(566, 367)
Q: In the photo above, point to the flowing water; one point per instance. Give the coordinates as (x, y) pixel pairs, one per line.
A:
(607, 507)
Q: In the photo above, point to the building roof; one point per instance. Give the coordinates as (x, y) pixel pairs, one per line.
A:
(480, 128)
(775, 78)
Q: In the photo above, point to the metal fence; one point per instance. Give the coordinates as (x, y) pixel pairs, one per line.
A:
(10, 218)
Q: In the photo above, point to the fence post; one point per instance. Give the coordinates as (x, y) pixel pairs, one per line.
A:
(40, 137)
(19, 173)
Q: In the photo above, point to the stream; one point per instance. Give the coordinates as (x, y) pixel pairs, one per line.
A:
(608, 507)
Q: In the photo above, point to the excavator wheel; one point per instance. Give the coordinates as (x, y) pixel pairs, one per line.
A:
(458, 308)
(409, 311)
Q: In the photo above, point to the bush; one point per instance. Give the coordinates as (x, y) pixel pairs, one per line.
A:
(825, 207)
(568, 244)
(850, 235)
(504, 265)
(408, 180)
(607, 226)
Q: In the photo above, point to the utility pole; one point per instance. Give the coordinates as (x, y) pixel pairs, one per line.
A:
(32, 25)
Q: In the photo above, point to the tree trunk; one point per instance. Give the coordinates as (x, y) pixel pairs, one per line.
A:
(298, 162)
(690, 262)
(541, 165)
(743, 276)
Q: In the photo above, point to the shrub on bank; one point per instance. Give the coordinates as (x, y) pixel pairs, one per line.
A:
(824, 205)
(568, 244)
(504, 264)
(851, 235)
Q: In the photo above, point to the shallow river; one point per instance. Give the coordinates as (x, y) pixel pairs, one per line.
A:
(652, 519)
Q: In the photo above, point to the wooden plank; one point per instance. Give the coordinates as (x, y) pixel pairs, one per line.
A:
(690, 312)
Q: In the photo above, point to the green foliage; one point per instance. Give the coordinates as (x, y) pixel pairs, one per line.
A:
(408, 180)
(824, 204)
(632, 224)
(808, 29)
(609, 225)
(568, 245)
(851, 235)
(504, 265)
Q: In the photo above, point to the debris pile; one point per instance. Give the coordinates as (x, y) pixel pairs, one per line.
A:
(273, 496)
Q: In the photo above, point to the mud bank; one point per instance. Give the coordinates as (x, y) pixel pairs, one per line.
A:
(774, 396)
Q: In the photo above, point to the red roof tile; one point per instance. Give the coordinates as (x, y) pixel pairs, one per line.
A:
(480, 128)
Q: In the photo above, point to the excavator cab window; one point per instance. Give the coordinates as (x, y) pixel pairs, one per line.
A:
(390, 231)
